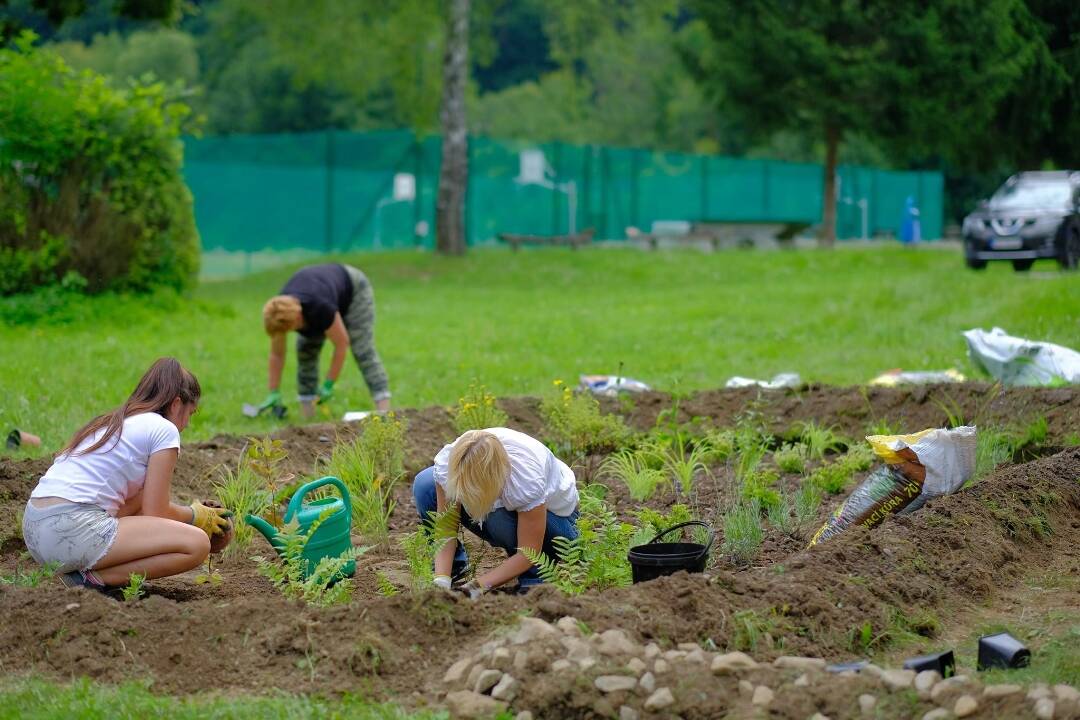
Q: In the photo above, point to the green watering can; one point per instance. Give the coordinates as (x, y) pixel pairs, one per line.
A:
(330, 539)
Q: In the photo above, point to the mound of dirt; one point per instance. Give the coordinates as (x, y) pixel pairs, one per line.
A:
(958, 549)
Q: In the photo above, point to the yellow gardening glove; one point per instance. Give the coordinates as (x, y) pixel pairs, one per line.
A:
(210, 520)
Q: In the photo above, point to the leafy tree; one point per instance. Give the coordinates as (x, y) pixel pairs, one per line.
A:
(915, 77)
(168, 54)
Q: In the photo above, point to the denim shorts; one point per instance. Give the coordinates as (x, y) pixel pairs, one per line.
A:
(74, 535)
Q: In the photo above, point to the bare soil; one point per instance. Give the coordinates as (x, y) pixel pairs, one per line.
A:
(926, 572)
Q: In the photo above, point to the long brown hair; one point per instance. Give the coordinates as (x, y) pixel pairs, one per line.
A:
(165, 381)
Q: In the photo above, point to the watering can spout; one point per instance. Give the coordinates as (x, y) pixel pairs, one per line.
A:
(268, 530)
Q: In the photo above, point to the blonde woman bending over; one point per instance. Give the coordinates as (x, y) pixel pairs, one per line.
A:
(512, 493)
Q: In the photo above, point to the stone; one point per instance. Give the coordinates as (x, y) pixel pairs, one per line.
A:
(466, 705)
(72, 606)
(819, 716)
(506, 689)
(763, 696)
(936, 714)
(1066, 692)
(561, 664)
(602, 707)
(660, 666)
(802, 681)
(647, 683)
(688, 647)
(898, 679)
(1002, 690)
(791, 662)
(615, 642)
(456, 673)
(872, 669)
(521, 660)
(615, 683)
(531, 630)
(474, 673)
(1044, 708)
(1040, 691)
(487, 680)
(746, 687)
(577, 650)
(949, 689)
(659, 700)
(586, 663)
(651, 651)
(501, 659)
(732, 662)
(867, 702)
(636, 666)
(673, 655)
(697, 656)
(569, 626)
(965, 705)
(925, 682)
(524, 715)
(628, 713)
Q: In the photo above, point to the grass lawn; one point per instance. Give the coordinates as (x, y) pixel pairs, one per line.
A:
(83, 699)
(679, 320)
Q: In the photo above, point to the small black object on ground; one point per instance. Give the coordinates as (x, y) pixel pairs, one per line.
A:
(943, 662)
(1002, 651)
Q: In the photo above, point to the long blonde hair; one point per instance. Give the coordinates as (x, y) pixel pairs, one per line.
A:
(478, 471)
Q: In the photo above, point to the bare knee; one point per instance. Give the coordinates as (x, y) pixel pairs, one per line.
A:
(196, 545)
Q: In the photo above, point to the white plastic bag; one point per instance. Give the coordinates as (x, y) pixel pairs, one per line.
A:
(1017, 361)
(610, 385)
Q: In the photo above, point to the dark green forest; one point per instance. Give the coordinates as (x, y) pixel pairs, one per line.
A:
(977, 90)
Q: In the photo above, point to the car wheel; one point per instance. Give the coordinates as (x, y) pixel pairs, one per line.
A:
(1070, 251)
(975, 264)
(1022, 265)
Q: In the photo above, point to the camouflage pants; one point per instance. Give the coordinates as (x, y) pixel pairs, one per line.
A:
(359, 320)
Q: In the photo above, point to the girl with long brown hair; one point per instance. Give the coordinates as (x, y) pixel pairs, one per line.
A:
(102, 511)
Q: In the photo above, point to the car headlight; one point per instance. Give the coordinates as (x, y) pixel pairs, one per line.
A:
(972, 225)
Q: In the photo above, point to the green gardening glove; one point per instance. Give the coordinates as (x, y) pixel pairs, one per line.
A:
(272, 400)
(326, 391)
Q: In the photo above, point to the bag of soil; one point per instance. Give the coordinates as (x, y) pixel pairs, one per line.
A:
(917, 467)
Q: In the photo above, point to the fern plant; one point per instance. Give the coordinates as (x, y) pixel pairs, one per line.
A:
(423, 544)
(633, 470)
(324, 584)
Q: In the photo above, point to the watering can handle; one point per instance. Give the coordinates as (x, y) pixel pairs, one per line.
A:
(700, 523)
(298, 498)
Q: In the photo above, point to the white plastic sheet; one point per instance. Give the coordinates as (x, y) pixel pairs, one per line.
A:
(610, 385)
(1018, 361)
(783, 380)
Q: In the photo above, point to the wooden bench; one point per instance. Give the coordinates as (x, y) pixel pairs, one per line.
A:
(717, 234)
(574, 241)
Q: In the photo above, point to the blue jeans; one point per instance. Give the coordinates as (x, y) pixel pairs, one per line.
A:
(499, 528)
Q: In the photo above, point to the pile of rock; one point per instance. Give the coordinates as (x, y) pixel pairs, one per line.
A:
(543, 668)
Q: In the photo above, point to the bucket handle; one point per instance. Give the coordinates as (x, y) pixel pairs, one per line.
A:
(701, 523)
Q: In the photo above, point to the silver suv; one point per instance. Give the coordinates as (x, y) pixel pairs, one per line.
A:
(1033, 215)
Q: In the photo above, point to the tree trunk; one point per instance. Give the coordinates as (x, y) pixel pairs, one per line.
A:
(828, 202)
(454, 173)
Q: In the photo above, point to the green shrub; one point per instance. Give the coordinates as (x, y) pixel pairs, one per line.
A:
(833, 478)
(631, 468)
(791, 458)
(743, 533)
(577, 426)
(759, 487)
(383, 440)
(476, 410)
(90, 179)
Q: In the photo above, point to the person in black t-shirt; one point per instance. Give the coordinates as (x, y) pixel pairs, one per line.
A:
(318, 302)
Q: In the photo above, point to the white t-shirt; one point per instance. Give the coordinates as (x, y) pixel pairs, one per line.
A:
(114, 472)
(536, 475)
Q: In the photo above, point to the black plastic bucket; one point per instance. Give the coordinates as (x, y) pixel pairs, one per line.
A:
(650, 561)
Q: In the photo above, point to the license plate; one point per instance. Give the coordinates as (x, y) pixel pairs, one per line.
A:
(1006, 243)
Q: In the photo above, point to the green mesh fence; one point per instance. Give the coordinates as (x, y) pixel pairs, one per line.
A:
(306, 194)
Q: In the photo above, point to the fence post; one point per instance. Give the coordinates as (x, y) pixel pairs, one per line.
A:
(329, 190)
(635, 188)
(704, 187)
